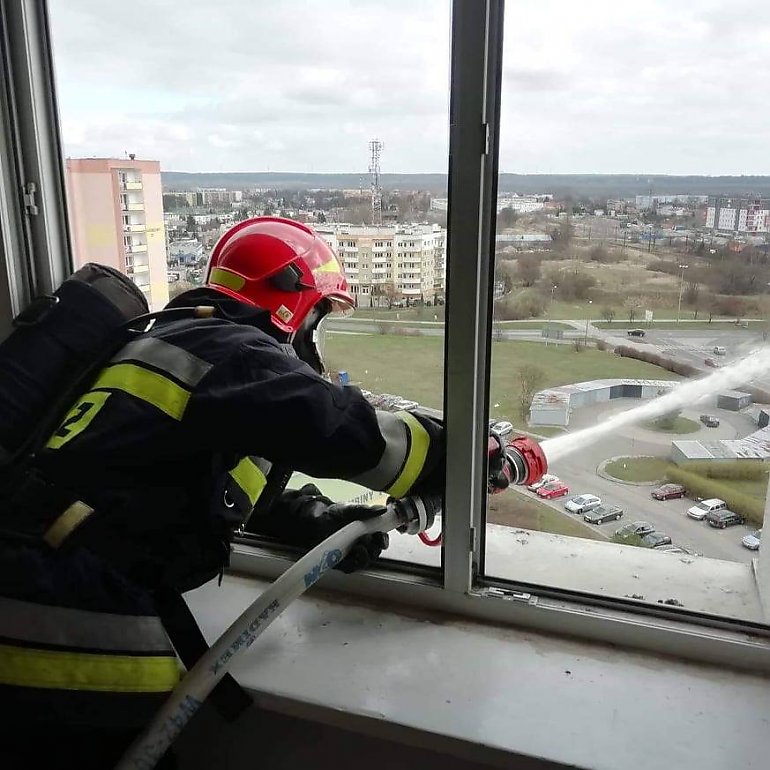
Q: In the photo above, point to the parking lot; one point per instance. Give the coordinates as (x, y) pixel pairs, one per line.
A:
(579, 472)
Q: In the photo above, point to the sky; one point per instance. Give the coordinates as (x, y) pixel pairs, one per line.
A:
(662, 87)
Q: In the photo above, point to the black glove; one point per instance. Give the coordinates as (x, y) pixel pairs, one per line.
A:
(498, 466)
(305, 517)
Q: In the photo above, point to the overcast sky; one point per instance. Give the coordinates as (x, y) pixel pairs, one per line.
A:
(244, 85)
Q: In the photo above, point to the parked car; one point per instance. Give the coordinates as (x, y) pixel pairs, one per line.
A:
(636, 332)
(710, 420)
(547, 478)
(553, 489)
(640, 528)
(700, 510)
(603, 513)
(655, 540)
(583, 503)
(668, 492)
(719, 350)
(712, 363)
(724, 518)
(752, 541)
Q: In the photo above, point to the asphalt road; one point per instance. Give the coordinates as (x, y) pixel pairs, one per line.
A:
(578, 471)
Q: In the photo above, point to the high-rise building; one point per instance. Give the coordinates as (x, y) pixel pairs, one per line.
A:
(739, 215)
(116, 218)
(386, 263)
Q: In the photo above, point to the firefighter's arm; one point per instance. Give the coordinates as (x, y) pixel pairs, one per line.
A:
(263, 402)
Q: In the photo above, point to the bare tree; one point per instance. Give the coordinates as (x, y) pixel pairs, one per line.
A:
(608, 314)
(531, 377)
(506, 218)
(528, 270)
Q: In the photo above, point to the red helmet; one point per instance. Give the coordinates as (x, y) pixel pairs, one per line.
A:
(280, 265)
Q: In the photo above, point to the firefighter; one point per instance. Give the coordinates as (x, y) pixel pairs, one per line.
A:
(188, 432)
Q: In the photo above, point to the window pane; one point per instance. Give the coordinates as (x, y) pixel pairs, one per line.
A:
(628, 253)
(333, 114)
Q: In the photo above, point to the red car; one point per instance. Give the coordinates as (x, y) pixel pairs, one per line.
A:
(554, 489)
(668, 492)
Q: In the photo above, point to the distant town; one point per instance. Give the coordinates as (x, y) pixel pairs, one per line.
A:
(392, 243)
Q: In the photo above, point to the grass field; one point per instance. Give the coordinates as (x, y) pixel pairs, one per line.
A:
(637, 468)
(412, 367)
(680, 426)
(517, 510)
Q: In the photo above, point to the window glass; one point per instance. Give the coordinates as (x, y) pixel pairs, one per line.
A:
(632, 254)
(333, 114)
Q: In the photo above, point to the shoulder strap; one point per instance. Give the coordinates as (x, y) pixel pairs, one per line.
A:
(228, 697)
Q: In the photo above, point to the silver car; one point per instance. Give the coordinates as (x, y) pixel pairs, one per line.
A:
(752, 541)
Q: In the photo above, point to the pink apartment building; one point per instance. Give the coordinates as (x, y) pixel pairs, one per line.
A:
(116, 218)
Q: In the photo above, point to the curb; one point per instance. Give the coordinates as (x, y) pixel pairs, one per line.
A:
(601, 472)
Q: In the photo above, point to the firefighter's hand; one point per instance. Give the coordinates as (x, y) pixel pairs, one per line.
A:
(305, 517)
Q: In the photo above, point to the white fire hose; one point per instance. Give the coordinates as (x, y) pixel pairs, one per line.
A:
(412, 515)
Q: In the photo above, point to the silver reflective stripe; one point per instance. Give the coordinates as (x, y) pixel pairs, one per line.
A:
(30, 622)
(387, 470)
(169, 358)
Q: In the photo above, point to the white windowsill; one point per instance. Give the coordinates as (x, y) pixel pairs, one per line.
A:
(493, 689)
(724, 588)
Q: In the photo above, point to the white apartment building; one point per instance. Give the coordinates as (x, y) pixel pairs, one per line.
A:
(524, 204)
(115, 209)
(740, 215)
(396, 262)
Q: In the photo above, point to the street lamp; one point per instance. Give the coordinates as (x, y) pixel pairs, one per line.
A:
(548, 319)
(681, 286)
(585, 339)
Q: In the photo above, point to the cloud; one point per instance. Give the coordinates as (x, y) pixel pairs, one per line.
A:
(598, 86)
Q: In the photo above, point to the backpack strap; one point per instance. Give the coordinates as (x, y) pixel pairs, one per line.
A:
(228, 697)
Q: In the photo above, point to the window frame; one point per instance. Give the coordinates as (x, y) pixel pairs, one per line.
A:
(36, 257)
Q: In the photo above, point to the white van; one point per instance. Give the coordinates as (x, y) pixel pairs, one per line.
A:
(719, 350)
(704, 507)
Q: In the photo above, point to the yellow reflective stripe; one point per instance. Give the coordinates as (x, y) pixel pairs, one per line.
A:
(72, 517)
(78, 418)
(149, 386)
(57, 669)
(415, 461)
(226, 278)
(332, 266)
(249, 478)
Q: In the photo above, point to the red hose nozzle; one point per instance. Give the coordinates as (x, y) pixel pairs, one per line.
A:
(527, 459)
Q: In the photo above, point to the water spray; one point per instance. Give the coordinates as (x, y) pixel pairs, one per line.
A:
(732, 376)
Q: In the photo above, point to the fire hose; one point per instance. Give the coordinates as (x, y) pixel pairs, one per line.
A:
(410, 515)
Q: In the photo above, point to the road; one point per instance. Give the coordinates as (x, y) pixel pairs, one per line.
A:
(578, 471)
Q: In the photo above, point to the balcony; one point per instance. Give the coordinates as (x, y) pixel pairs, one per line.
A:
(138, 228)
(137, 248)
(130, 185)
(132, 206)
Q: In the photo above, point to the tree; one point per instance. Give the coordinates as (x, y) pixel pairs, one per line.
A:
(507, 218)
(608, 314)
(191, 223)
(632, 307)
(528, 270)
(530, 377)
(667, 421)
(563, 234)
(599, 254)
